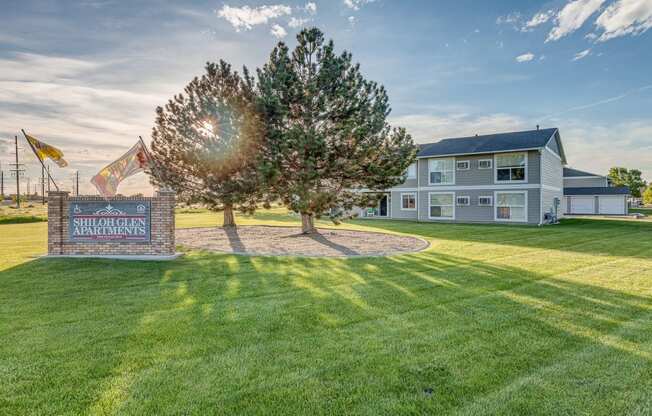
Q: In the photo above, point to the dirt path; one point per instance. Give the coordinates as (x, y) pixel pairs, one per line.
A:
(287, 241)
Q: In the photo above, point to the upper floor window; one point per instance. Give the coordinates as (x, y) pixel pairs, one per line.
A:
(463, 165)
(511, 167)
(411, 172)
(441, 171)
(484, 164)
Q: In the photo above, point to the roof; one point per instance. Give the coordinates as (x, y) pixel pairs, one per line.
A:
(614, 190)
(576, 173)
(490, 143)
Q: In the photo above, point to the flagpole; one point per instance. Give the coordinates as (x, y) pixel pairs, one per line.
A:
(39, 159)
(149, 155)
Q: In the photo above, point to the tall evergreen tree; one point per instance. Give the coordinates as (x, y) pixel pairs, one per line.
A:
(326, 130)
(205, 142)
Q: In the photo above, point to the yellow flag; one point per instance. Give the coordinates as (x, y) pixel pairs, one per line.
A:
(44, 150)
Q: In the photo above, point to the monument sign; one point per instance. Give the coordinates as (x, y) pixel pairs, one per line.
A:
(109, 221)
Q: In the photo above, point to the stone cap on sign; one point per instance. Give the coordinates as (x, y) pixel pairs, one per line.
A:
(113, 198)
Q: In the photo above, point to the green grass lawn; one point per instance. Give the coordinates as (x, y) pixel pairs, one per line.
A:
(490, 320)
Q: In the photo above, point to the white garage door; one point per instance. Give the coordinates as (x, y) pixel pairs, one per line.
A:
(611, 205)
(582, 205)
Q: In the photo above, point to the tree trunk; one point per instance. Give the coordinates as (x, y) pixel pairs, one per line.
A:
(229, 219)
(307, 224)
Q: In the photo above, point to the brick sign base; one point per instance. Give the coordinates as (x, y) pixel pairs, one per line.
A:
(119, 227)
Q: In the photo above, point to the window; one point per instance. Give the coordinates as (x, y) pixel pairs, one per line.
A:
(463, 201)
(442, 171)
(411, 172)
(441, 205)
(409, 202)
(463, 165)
(511, 206)
(485, 164)
(485, 201)
(511, 167)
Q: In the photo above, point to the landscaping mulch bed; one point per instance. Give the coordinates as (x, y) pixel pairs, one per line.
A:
(288, 241)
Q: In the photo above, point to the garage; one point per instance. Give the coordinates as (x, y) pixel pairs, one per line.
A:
(582, 205)
(611, 205)
(602, 200)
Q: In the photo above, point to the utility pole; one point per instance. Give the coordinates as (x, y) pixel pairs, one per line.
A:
(77, 182)
(17, 175)
(2, 184)
(42, 184)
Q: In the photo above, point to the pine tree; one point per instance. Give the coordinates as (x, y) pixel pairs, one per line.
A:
(326, 130)
(205, 142)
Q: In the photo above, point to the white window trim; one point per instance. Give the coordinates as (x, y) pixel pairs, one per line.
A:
(414, 194)
(407, 173)
(454, 170)
(441, 218)
(491, 201)
(495, 167)
(491, 164)
(468, 198)
(510, 220)
(468, 164)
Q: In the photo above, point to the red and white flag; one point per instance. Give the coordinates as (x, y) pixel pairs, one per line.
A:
(132, 162)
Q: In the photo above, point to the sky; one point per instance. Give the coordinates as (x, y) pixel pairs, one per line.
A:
(86, 76)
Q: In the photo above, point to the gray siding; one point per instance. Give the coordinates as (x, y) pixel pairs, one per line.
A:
(475, 176)
(476, 213)
(396, 211)
(409, 183)
(598, 182)
(552, 176)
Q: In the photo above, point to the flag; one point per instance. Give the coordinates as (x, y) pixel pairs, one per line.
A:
(132, 162)
(44, 150)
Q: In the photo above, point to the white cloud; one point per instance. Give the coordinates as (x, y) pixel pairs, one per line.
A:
(297, 22)
(572, 17)
(598, 147)
(351, 20)
(581, 55)
(427, 128)
(356, 4)
(246, 17)
(600, 102)
(625, 17)
(311, 8)
(49, 67)
(538, 19)
(526, 57)
(512, 18)
(278, 31)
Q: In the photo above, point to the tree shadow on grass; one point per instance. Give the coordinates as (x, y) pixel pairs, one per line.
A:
(584, 236)
(227, 334)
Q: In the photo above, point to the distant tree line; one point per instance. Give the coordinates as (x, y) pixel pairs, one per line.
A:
(307, 130)
(631, 178)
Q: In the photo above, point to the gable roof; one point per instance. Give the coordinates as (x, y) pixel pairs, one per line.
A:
(576, 173)
(614, 190)
(489, 143)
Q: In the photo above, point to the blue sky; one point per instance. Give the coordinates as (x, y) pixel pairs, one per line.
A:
(87, 75)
